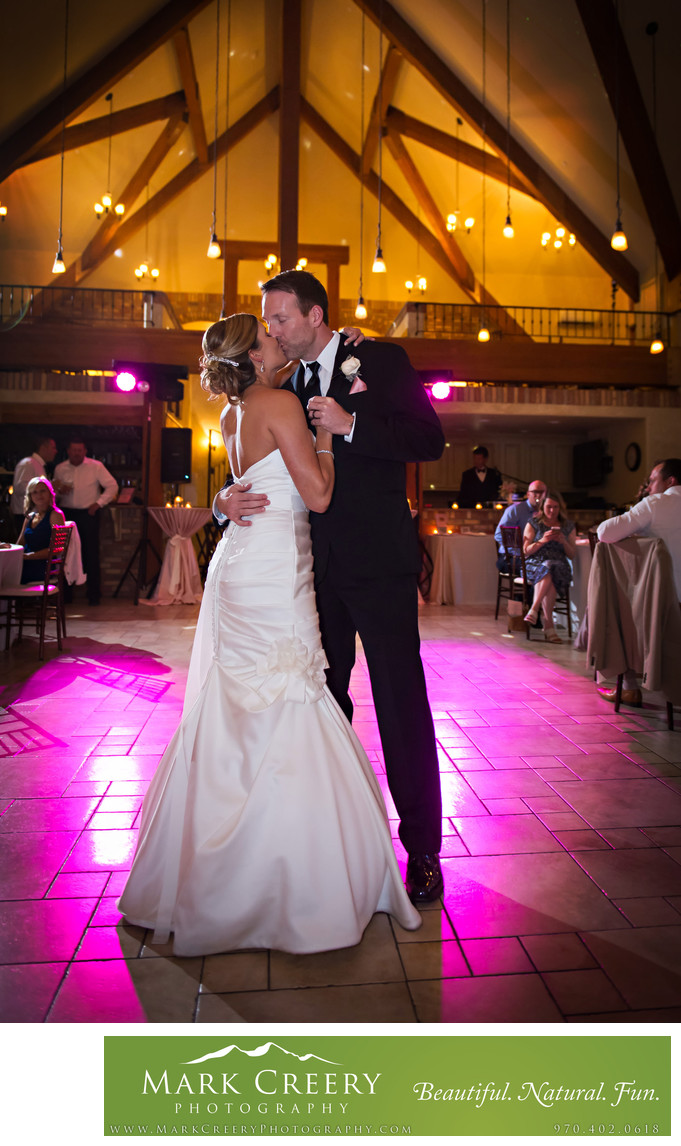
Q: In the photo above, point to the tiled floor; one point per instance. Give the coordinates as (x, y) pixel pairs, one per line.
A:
(562, 850)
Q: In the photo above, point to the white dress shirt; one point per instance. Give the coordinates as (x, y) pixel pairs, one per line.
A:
(326, 362)
(91, 483)
(26, 470)
(658, 515)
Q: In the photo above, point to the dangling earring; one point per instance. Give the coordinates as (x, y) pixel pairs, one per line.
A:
(262, 367)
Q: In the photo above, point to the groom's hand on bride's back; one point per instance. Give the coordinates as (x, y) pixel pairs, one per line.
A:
(236, 502)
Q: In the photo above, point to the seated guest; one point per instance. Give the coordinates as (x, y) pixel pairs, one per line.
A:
(41, 515)
(549, 540)
(518, 514)
(480, 483)
(657, 515)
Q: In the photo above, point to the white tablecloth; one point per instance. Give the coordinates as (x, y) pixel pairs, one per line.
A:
(179, 582)
(464, 568)
(581, 567)
(73, 566)
(11, 562)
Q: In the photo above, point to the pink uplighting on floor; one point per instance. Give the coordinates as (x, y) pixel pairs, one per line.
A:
(561, 843)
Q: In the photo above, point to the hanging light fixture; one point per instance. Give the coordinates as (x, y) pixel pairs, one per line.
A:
(483, 332)
(104, 207)
(213, 251)
(508, 231)
(360, 309)
(618, 241)
(143, 271)
(453, 219)
(558, 239)
(657, 344)
(3, 212)
(378, 267)
(58, 266)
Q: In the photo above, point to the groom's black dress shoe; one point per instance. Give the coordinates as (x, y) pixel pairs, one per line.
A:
(424, 881)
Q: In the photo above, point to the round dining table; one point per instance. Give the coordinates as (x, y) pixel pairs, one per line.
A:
(11, 562)
(464, 568)
(179, 582)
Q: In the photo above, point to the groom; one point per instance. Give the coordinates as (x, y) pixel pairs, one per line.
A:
(366, 555)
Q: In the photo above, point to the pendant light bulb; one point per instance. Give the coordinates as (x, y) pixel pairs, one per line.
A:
(379, 264)
(508, 228)
(213, 251)
(58, 267)
(657, 345)
(483, 334)
(618, 241)
(360, 309)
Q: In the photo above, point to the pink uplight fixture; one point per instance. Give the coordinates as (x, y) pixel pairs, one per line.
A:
(126, 381)
(441, 390)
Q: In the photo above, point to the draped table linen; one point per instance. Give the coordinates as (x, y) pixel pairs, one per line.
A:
(179, 581)
(464, 568)
(11, 563)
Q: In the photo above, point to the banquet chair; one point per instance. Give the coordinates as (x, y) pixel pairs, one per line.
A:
(34, 601)
(515, 578)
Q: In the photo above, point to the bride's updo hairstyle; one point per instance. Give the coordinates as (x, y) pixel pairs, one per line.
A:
(225, 365)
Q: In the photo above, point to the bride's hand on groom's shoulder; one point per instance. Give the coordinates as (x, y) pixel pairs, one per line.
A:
(237, 502)
(353, 336)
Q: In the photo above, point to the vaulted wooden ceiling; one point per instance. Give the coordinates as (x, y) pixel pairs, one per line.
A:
(306, 135)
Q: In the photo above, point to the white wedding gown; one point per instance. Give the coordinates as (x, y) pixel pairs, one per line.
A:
(264, 825)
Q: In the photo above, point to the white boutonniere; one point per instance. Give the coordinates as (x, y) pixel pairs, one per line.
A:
(350, 369)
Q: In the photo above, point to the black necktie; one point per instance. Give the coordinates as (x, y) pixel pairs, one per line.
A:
(311, 389)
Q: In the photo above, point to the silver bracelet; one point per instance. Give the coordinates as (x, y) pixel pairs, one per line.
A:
(324, 452)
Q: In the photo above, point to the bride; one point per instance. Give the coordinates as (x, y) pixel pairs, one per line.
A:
(264, 825)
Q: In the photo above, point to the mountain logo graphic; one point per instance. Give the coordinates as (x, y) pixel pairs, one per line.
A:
(257, 1052)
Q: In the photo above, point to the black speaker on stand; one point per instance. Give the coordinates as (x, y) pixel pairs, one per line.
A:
(176, 446)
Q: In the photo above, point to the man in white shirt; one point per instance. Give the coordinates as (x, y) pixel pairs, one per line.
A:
(85, 486)
(518, 514)
(26, 470)
(657, 515)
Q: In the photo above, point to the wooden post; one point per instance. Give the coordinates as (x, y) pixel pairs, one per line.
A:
(289, 134)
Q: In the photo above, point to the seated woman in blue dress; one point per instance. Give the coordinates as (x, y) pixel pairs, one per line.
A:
(549, 541)
(41, 515)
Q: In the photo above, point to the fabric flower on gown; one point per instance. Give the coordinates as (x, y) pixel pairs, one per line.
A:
(290, 657)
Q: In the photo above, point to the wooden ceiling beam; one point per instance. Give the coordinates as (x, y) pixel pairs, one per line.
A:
(456, 149)
(82, 134)
(432, 213)
(185, 62)
(289, 133)
(115, 233)
(386, 90)
(390, 200)
(464, 272)
(619, 78)
(95, 82)
(193, 171)
(422, 57)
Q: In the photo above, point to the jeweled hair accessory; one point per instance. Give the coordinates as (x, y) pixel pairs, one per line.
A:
(217, 358)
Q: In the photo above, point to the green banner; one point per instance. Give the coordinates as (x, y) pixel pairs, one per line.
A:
(393, 1085)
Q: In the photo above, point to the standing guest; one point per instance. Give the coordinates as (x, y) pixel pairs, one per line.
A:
(481, 482)
(85, 486)
(549, 540)
(657, 515)
(28, 468)
(517, 515)
(41, 515)
(366, 556)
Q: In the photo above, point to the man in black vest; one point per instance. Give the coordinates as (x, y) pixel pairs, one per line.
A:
(366, 555)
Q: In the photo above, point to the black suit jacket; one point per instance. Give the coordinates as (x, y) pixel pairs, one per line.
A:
(368, 530)
(473, 490)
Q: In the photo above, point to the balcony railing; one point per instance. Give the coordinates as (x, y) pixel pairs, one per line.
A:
(79, 305)
(540, 323)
